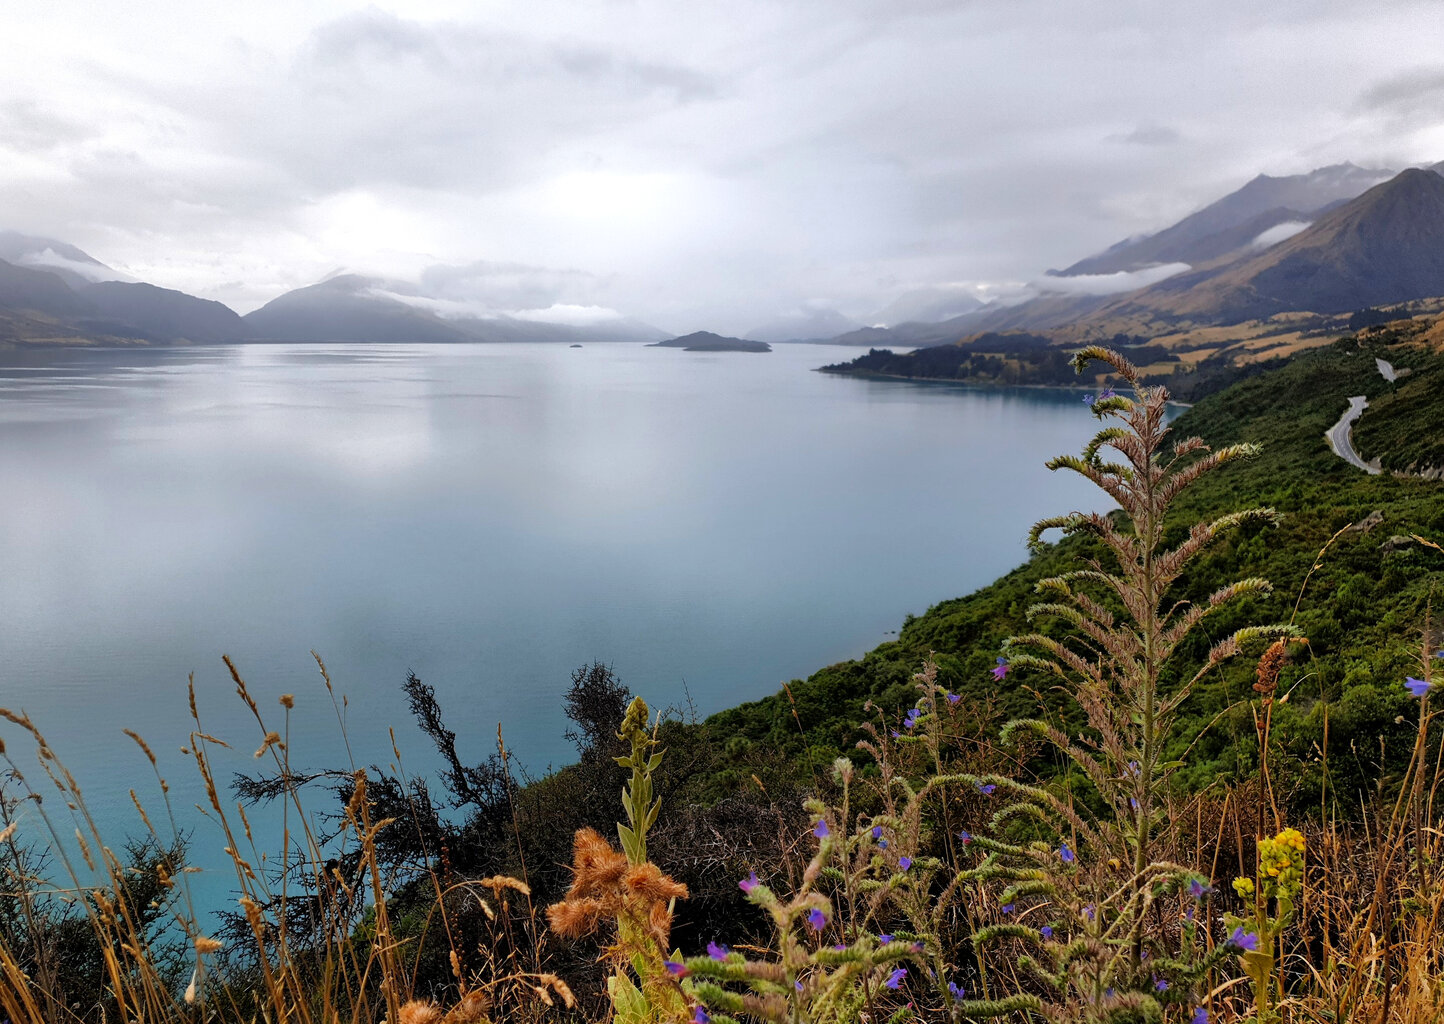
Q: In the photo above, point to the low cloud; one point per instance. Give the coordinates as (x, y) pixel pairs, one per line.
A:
(1108, 284)
(49, 259)
(1147, 135)
(1279, 232)
(488, 290)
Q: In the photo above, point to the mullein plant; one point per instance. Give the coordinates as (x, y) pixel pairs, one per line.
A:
(629, 889)
(1098, 875)
(1270, 900)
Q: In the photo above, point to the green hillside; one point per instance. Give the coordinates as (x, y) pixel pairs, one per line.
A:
(1362, 609)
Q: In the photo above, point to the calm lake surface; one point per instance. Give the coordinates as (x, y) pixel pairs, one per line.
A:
(489, 516)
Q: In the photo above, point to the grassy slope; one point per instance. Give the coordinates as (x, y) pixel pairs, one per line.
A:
(1362, 610)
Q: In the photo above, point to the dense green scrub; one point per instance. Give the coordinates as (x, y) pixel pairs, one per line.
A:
(1403, 426)
(1362, 610)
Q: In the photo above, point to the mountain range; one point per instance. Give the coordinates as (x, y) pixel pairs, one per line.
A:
(1335, 240)
(1384, 245)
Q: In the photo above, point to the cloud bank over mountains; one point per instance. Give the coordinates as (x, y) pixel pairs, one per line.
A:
(710, 165)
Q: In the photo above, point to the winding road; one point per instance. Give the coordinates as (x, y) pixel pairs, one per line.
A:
(1341, 435)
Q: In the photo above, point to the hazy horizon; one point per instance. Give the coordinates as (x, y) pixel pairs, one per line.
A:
(716, 167)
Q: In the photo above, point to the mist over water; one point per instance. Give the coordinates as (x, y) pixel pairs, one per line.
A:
(489, 516)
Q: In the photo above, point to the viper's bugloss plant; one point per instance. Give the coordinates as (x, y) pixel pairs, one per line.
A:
(825, 963)
(1125, 629)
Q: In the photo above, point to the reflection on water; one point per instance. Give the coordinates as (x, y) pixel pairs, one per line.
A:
(489, 516)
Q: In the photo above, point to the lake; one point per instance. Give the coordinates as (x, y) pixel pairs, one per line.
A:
(489, 516)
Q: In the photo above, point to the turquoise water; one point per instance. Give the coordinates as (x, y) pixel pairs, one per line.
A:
(489, 516)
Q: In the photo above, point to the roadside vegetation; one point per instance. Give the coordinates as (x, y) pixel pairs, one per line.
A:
(1181, 767)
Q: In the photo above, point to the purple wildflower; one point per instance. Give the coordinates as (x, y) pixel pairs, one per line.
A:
(895, 978)
(966, 837)
(838, 947)
(956, 990)
(1088, 398)
(716, 952)
(917, 947)
(1008, 908)
(896, 735)
(816, 919)
(1088, 912)
(877, 831)
(1133, 802)
(1066, 854)
(674, 968)
(1200, 1015)
(1198, 888)
(1160, 984)
(986, 788)
(912, 718)
(820, 830)
(1417, 687)
(797, 984)
(1244, 942)
(749, 883)
(1106, 394)
(701, 1016)
(1047, 932)
(904, 862)
(1002, 668)
(953, 698)
(882, 844)
(884, 939)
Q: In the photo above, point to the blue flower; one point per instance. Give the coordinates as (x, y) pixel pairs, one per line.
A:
(956, 990)
(816, 919)
(1002, 669)
(953, 698)
(1047, 932)
(820, 830)
(674, 968)
(895, 978)
(1160, 984)
(1088, 912)
(986, 788)
(884, 939)
(966, 837)
(797, 984)
(716, 952)
(1088, 398)
(877, 831)
(1066, 854)
(701, 1016)
(904, 862)
(1106, 394)
(1198, 888)
(1417, 687)
(1200, 1015)
(1008, 908)
(1244, 942)
(749, 883)
(912, 718)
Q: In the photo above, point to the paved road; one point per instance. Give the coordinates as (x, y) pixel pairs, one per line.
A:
(1341, 438)
(1386, 370)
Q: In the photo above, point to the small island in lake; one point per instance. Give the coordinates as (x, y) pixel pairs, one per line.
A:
(706, 341)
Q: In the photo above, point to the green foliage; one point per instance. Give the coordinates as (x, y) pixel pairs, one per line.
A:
(1358, 612)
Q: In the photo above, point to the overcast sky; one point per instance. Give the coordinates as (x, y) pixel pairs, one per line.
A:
(694, 164)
